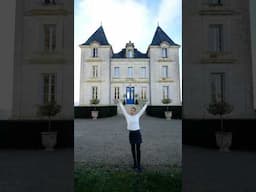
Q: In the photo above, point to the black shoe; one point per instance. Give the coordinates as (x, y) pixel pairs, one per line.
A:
(134, 166)
(139, 169)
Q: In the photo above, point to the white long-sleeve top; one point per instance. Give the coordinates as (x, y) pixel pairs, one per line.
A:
(133, 120)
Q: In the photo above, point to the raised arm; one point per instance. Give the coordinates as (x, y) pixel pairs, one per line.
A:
(122, 108)
(143, 109)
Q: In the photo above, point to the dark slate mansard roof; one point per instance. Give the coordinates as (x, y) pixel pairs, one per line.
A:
(137, 54)
(98, 36)
(161, 36)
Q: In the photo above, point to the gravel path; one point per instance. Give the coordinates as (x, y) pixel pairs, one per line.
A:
(210, 170)
(105, 141)
(36, 170)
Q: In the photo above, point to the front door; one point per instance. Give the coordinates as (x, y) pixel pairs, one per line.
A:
(130, 95)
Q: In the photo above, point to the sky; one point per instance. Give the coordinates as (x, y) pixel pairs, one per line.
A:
(123, 21)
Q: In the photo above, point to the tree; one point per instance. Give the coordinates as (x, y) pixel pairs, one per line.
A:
(166, 101)
(49, 110)
(94, 102)
(220, 108)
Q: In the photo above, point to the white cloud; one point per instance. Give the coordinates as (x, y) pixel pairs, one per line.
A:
(169, 11)
(122, 20)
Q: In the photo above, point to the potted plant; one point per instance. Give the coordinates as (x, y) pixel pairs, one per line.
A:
(142, 101)
(94, 112)
(223, 137)
(49, 137)
(167, 113)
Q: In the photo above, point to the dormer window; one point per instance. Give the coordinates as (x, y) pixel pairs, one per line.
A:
(129, 49)
(129, 53)
(164, 52)
(95, 52)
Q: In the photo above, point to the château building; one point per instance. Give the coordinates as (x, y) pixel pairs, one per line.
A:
(129, 74)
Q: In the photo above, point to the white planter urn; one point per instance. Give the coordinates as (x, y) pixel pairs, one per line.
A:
(168, 115)
(49, 140)
(224, 140)
(94, 114)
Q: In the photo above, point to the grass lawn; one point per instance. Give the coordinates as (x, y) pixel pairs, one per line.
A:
(104, 179)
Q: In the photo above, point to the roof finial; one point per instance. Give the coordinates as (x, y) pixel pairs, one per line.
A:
(157, 23)
(101, 23)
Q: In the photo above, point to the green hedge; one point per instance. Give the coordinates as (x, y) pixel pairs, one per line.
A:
(158, 111)
(104, 111)
(26, 134)
(111, 110)
(201, 132)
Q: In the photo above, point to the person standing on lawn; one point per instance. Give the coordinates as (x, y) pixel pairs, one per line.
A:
(135, 138)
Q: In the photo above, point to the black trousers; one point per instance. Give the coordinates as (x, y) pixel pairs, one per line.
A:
(135, 139)
(136, 154)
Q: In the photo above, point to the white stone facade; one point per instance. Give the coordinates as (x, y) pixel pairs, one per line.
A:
(147, 78)
(157, 81)
(233, 60)
(33, 60)
(7, 20)
(253, 46)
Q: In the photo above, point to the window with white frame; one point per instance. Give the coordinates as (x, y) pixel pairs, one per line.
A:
(130, 72)
(49, 87)
(95, 52)
(143, 94)
(165, 92)
(116, 72)
(143, 72)
(94, 71)
(129, 53)
(215, 38)
(215, 2)
(50, 37)
(94, 92)
(164, 52)
(164, 71)
(217, 87)
(117, 93)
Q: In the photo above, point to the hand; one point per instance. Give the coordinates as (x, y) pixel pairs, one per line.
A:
(117, 100)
